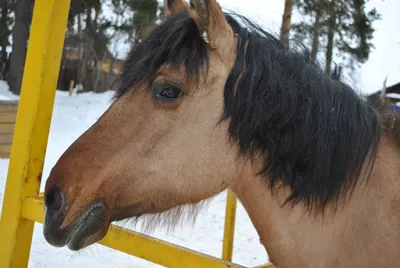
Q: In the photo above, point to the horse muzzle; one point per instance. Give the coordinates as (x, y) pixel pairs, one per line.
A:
(76, 236)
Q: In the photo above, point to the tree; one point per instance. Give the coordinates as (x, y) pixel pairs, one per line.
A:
(357, 41)
(89, 41)
(286, 22)
(145, 14)
(20, 36)
(313, 21)
(6, 20)
(343, 25)
(88, 36)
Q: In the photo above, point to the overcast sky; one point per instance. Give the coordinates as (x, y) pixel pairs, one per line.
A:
(385, 58)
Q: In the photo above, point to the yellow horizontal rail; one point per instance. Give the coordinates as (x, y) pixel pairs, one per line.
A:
(139, 245)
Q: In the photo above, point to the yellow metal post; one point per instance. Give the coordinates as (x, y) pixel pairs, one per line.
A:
(32, 128)
(229, 230)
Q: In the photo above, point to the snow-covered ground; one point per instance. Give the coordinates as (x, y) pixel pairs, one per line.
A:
(71, 117)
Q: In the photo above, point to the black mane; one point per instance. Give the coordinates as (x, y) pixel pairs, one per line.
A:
(317, 132)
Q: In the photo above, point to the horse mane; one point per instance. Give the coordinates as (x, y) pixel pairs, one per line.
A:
(316, 132)
(390, 117)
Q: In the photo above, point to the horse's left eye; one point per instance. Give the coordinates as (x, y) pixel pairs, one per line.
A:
(170, 92)
(166, 92)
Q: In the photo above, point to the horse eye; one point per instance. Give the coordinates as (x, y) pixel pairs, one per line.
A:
(170, 92)
(166, 92)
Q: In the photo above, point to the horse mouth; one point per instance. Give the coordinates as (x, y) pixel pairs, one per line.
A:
(87, 229)
(88, 224)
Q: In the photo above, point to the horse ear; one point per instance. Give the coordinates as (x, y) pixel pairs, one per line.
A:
(210, 21)
(175, 6)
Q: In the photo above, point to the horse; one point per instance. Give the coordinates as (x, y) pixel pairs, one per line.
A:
(210, 101)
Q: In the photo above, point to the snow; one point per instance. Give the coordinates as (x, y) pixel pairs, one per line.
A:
(4, 98)
(6, 94)
(71, 117)
(393, 95)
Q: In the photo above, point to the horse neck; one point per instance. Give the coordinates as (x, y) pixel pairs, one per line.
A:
(262, 208)
(356, 235)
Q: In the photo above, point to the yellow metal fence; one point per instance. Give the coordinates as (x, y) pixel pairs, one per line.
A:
(23, 204)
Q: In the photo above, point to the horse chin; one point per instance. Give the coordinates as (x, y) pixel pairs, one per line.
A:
(147, 221)
(87, 233)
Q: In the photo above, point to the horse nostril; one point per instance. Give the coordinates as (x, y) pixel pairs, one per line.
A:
(54, 199)
(56, 203)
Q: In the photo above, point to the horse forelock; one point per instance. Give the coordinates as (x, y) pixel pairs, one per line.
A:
(173, 43)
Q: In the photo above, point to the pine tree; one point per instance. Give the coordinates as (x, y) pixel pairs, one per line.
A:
(144, 14)
(20, 36)
(340, 25)
(90, 39)
(6, 21)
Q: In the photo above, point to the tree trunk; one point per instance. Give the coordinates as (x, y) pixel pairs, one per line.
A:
(286, 21)
(79, 79)
(315, 41)
(329, 48)
(23, 18)
(88, 17)
(4, 41)
(79, 22)
(87, 71)
(96, 18)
